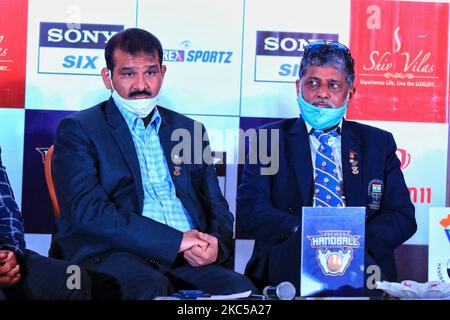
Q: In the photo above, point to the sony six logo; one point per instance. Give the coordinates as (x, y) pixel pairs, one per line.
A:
(73, 49)
(334, 250)
(278, 53)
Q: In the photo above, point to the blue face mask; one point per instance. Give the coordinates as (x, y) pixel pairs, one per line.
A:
(320, 118)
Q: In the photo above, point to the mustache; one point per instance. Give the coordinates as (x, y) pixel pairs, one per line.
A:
(328, 103)
(139, 92)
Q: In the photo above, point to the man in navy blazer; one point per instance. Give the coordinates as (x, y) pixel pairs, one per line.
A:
(270, 206)
(144, 218)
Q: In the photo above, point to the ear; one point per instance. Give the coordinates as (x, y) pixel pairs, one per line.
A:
(105, 78)
(351, 94)
(163, 70)
(297, 86)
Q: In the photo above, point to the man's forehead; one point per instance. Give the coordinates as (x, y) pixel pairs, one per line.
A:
(324, 72)
(141, 55)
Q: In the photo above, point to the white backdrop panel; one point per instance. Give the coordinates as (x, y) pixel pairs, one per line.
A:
(202, 39)
(278, 99)
(65, 90)
(425, 146)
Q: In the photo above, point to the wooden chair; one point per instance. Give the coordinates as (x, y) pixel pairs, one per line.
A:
(50, 183)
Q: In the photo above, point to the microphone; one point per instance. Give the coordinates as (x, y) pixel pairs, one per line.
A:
(284, 291)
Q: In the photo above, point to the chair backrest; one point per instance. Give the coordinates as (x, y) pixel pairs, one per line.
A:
(50, 183)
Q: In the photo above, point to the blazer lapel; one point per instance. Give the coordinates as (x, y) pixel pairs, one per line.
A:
(122, 135)
(351, 166)
(299, 152)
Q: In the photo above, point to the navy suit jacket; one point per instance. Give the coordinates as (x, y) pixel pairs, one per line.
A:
(99, 189)
(269, 207)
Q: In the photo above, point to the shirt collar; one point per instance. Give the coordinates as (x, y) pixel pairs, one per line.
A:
(132, 119)
(156, 119)
(338, 128)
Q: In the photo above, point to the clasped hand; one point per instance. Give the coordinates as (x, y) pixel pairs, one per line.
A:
(198, 248)
(9, 269)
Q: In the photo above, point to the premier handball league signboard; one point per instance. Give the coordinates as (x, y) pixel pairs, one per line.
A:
(439, 246)
(332, 251)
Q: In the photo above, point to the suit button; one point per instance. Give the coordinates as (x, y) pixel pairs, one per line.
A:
(290, 210)
(152, 261)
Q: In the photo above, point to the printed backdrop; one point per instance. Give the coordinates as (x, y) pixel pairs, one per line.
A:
(232, 64)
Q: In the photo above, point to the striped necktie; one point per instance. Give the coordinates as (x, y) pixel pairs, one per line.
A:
(327, 190)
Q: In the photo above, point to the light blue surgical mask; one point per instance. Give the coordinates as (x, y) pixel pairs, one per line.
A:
(321, 118)
(139, 107)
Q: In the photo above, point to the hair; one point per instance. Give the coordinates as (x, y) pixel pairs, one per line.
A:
(132, 41)
(328, 54)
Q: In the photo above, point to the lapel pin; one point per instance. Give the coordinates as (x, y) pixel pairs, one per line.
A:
(176, 170)
(353, 162)
(177, 160)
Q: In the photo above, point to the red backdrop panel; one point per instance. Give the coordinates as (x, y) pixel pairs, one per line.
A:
(401, 54)
(13, 50)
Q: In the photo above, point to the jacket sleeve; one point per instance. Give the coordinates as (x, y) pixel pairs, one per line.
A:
(256, 214)
(395, 223)
(11, 220)
(219, 219)
(90, 211)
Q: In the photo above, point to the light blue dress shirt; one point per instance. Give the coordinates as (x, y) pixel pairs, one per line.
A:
(160, 200)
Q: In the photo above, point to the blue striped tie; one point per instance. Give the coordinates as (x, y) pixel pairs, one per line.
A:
(327, 190)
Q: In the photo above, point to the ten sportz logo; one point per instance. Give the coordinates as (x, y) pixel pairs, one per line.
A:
(73, 49)
(278, 54)
(191, 55)
(334, 250)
